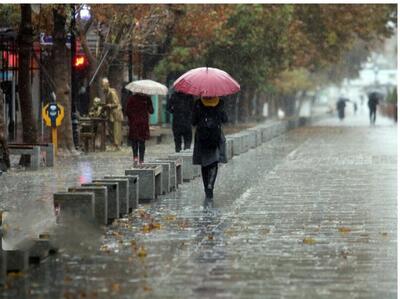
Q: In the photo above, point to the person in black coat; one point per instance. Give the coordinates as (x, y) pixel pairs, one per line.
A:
(373, 101)
(340, 107)
(181, 106)
(208, 116)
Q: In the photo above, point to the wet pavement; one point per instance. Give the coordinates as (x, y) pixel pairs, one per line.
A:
(310, 214)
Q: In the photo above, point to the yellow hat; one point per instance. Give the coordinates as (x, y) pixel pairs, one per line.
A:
(210, 102)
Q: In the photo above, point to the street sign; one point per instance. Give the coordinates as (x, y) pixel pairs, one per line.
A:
(53, 114)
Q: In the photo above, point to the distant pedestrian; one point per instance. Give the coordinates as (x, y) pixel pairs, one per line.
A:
(340, 107)
(355, 108)
(373, 101)
(181, 106)
(138, 108)
(209, 141)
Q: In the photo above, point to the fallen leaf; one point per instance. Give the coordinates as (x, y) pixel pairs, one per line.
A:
(384, 234)
(170, 218)
(15, 274)
(344, 230)
(309, 241)
(67, 279)
(265, 231)
(116, 287)
(142, 252)
(210, 237)
(147, 289)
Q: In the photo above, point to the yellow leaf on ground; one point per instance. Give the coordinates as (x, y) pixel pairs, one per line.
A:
(344, 230)
(142, 252)
(309, 241)
(116, 287)
(170, 218)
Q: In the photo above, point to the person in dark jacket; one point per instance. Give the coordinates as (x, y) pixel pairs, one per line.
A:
(181, 106)
(138, 108)
(373, 101)
(340, 107)
(205, 154)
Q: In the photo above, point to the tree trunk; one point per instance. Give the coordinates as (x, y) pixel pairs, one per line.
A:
(260, 106)
(116, 73)
(61, 62)
(5, 157)
(25, 39)
(244, 106)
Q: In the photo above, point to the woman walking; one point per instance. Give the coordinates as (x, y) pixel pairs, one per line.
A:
(209, 142)
(138, 108)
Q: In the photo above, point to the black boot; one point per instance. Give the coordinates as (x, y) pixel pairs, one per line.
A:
(212, 176)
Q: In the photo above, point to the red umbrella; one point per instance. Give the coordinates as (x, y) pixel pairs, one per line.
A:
(206, 82)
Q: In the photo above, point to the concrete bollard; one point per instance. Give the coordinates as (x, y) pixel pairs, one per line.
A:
(100, 199)
(3, 270)
(112, 199)
(165, 173)
(150, 180)
(268, 132)
(123, 200)
(258, 135)
(238, 146)
(133, 193)
(39, 251)
(189, 171)
(252, 138)
(175, 171)
(229, 148)
(79, 204)
(3, 260)
(16, 260)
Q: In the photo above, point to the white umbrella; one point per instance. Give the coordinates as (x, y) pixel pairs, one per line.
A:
(149, 87)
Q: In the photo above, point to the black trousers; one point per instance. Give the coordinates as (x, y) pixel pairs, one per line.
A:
(209, 175)
(186, 135)
(372, 115)
(138, 148)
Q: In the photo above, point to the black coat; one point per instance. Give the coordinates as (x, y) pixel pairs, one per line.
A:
(202, 154)
(181, 106)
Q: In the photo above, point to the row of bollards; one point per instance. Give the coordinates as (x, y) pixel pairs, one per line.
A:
(103, 200)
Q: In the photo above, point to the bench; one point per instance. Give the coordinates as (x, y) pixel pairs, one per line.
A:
(189, 170)
(133, 193)
(112, 199)
(100, 198)
(176, 177)
(29, 149)
(123, 186)
(165, 173)
(150, 180)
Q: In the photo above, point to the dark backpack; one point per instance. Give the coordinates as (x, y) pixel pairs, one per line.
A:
(209, 130)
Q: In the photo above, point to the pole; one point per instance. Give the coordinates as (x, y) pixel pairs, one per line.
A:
(54, 138)
(73, 52)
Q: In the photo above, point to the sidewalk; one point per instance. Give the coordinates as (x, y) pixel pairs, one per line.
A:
(309, 214)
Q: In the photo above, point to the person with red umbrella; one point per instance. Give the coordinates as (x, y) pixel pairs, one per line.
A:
(209, 142)
(208, 116)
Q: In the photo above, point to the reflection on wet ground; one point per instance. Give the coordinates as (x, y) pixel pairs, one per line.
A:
(309, 214)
